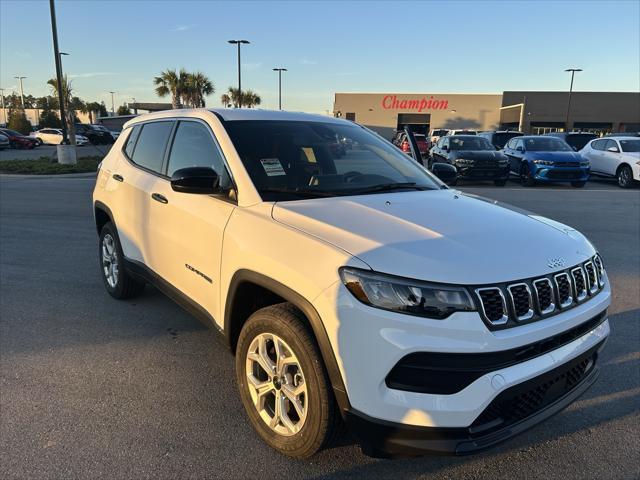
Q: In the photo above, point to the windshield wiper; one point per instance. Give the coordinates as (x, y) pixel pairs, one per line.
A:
(387, 187)
(300, 192)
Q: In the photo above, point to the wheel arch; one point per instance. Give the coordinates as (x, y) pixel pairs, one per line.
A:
(237, 311)
(102, 215)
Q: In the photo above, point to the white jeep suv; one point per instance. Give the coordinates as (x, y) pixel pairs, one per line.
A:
(352, 286)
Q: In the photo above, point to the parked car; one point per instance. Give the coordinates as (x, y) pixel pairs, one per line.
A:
(615, 157)
(97, 136)
(114, 135)
(4, 141)
(17, 140)
(428, 319)
(474, 158)
(436, 133)
(401, 141)
(499, 138)
(53, 136)
(623, 134)
(576, 140)
(462, 132)
(541, 158)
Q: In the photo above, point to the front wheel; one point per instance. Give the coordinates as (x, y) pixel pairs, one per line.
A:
(624, 176)
(525, 176)
(116, 279)
(578, 184)
(282, 382)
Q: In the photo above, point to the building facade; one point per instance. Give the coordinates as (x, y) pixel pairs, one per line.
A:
(530, 112)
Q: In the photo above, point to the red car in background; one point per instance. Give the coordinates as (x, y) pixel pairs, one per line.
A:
(401, 141)
(17, 140)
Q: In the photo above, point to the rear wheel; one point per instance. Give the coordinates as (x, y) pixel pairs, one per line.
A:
(578, 184)
(282, 382)
(525, 176)
(624, 176)
(116, 279)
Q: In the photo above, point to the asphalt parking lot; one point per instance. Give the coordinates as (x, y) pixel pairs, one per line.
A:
(95, 388)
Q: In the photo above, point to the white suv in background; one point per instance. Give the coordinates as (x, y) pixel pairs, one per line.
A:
(617, 157)
(351, 287)
(53, 136)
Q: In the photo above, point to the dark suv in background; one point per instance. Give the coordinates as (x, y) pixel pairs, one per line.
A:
(95, 135)
(576, 140)
(499, 138)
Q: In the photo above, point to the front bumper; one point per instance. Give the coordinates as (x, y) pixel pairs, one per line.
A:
(561, 174)
(482, 173)
(512, 412)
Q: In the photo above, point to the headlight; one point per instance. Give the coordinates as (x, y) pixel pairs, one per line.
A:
(403, 295)
(584, 164)
(546, 163)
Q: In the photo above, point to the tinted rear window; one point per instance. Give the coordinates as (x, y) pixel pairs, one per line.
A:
(149, 149)
(501, 139)
(577, 142)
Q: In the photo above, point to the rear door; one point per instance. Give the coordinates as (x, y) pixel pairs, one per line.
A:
(611, 157)
(187, 229)
(594, 152)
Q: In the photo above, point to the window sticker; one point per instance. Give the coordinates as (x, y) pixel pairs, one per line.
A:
(272, 167)
(311, 156)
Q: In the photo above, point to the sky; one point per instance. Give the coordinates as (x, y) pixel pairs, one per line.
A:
(327, 47)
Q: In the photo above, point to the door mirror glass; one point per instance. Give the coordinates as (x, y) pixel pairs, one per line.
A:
(445, 172)
(200, 180)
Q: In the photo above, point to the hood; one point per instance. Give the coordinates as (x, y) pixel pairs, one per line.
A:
(555, 156)
(478, 155)
(440, 236)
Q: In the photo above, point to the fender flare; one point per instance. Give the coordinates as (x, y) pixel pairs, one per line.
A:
(293, 297)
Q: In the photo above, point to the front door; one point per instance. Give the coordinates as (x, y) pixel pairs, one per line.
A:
(188, 229)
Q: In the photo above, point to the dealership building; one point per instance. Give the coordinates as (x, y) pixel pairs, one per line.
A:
(529, 112)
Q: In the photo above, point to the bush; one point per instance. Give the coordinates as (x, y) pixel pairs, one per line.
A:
(50, 119)
(47, 166)
(18, 121)
(123, 110)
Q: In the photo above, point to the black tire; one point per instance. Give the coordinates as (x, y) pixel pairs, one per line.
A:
(38, 142)
(125, 285)
(578, 184)
(624, 175)
(500, 183)
(323, 423)
(525, 176)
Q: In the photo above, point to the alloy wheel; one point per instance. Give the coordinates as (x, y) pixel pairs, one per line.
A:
(624, 177)
(276, 384)
(110, 260)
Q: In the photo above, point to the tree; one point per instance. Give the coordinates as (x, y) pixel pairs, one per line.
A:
(50, 119)
(250, 99)
(226, 100)
(90, 108)
(123, 110)
(234, 96)
(69, 102)
(171, 83)
(196, 86)
(18, 121)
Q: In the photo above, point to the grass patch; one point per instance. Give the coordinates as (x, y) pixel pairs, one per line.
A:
(45, 166)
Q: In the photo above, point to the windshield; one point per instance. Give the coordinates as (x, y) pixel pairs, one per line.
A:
(470, 143)
(439, 133)
(546, 144)
(289, 160)
(630, 145)
(501, 139)
(579, 141)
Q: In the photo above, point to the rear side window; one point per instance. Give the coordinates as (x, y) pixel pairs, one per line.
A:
(577, 142)
(150, 147)
(598, 144)
(131, 141)
(193, 146)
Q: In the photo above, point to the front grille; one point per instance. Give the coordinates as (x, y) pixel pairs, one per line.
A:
(521, 298)
(564, 174)
(493, 305)
(580, 285)
(521, 401)
(544, 294)
(597, 261)
(506, 304)
(567, 164)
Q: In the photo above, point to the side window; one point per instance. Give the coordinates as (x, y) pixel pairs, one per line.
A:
(519, 143)
(131, 141)
(598, 144)
(611, 144)
(149, 149)
(194, 146)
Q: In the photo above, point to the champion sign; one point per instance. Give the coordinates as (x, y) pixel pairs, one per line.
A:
(391, 102)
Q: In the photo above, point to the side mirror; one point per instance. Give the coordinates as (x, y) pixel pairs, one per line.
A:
(613, 149)
(519, 149)
(445, 148)
(200, 180)
(445, 172)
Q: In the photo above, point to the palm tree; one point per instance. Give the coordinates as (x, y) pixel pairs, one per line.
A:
(250, 99)
(67, 98)
(226, 100)
(171, 83)
(233, 95)
(90, 108)
(196, 86)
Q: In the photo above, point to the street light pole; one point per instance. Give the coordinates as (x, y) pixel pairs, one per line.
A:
(238, 43)
(573, 71)
(113, 112)
(21, 90)
(56, 52)
(279, 70)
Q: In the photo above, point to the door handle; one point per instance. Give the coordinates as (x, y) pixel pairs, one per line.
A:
(118, 178)
(159, 198)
